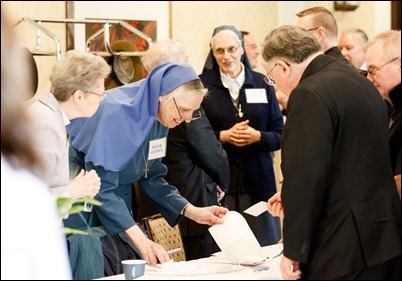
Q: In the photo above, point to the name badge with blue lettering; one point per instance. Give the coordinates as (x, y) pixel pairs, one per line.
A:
(256, 96)
(157, 149)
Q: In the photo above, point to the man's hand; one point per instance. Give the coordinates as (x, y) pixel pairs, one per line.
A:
(274, 205)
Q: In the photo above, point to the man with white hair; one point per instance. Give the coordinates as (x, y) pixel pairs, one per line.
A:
(352, 45)
(384, 70)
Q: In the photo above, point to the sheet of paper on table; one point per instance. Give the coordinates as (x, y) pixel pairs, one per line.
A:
(236, 240)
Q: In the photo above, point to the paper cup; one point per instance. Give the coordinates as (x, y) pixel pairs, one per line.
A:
(133, 268)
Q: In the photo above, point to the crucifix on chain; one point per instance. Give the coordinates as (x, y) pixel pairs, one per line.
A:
(146, 171)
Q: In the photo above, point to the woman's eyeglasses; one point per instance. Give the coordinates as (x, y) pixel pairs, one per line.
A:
(196, 114)
(102, 96)
(230, 50)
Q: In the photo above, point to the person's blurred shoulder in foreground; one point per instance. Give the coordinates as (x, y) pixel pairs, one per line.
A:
(32, 243)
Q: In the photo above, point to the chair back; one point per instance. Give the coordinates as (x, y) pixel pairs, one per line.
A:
(162, 233)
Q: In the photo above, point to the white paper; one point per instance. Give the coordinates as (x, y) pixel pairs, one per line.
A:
(236, 240)
(257, 209)
(194, 268)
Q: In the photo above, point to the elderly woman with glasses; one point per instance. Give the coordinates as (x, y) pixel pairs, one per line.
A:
(77, 88)
(124, 142)
(244, 113)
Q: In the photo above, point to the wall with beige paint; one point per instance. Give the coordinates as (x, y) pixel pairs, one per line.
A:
(27, 33)
(193, 21)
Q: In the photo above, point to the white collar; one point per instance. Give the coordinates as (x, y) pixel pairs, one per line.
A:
(229, 82)
(65, 118)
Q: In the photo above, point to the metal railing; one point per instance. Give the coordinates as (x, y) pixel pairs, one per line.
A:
(107, 24)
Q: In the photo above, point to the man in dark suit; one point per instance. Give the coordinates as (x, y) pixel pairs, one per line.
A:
(322, 24)
(198, 166)
(342, 213)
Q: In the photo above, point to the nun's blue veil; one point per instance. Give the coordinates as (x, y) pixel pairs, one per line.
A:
(112, 136)
(211, 63)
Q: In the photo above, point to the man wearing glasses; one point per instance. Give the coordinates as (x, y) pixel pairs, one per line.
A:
(384, 71)
(342, 213)
(320, 22)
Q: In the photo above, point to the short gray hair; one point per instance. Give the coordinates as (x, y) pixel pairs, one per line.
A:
(291, 43)
(77, 71)
(363, 38)
(163, 52)
(391, 41)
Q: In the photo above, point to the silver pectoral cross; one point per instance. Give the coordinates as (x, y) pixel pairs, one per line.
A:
(146, 171)
(240, 112)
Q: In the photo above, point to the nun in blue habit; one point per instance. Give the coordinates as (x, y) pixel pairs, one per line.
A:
(124, 142)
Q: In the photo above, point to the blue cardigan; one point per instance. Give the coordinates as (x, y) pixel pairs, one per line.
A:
(115, 214)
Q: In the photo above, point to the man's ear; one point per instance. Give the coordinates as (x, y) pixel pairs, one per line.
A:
(285, 68)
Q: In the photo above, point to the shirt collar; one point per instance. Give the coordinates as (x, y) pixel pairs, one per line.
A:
(228, 82)
(65, 118)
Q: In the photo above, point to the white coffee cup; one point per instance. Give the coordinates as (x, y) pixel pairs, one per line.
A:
(133, 268)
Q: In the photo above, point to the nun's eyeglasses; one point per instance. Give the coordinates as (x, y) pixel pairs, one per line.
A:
(230, 50)
(196, 114)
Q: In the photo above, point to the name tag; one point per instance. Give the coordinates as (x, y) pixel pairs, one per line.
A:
(157, 149)
(256, 96)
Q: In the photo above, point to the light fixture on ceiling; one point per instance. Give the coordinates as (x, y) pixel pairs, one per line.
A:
(346, 5)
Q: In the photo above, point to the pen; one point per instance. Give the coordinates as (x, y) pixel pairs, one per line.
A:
(173, 250)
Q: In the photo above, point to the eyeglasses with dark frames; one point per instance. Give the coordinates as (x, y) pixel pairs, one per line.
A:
(268, 79)
(196, 114)
(373, 70)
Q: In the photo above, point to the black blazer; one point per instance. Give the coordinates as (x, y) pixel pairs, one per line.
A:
(196, 163)
(342, 210)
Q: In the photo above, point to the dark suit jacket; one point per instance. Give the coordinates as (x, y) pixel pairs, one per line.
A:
(336, 53)
(342, 210)
(395, 130)
(196, 163)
